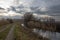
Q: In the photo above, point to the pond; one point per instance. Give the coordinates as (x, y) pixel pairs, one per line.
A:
(48, 34)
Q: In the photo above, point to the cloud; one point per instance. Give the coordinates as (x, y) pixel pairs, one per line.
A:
(55, 9)
(41, 3)
(5, 3)
(49, 5)
(26, 3)
(52, 6)
(46, 2)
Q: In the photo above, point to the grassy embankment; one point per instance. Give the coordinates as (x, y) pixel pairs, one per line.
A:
(4, 33)
(22, 34)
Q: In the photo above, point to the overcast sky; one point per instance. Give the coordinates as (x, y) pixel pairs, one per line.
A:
(53, 6)
(5, 3)
(45, 3)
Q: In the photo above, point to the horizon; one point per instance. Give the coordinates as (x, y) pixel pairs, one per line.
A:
(51, 7)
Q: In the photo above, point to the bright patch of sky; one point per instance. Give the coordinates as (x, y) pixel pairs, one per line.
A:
(26, 3)
(5, 3)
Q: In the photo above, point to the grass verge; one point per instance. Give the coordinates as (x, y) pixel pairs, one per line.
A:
(22, 34)
(4, 33)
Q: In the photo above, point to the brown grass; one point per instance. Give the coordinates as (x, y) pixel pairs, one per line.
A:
(26, 34)
(3, 22)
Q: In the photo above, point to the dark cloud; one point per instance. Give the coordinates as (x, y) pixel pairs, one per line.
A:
(46, 2)
(52, 5)
(54, 9)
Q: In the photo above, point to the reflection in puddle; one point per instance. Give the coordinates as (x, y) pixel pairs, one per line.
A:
(48, 34)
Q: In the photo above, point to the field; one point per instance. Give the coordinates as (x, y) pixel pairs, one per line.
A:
(18, 32)
(26, 34)
(15, 31)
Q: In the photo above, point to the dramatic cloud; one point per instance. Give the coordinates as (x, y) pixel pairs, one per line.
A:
(46, 2)
(40, 3)
(51, 6)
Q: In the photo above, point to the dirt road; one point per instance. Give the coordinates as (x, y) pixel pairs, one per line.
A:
(10, 35)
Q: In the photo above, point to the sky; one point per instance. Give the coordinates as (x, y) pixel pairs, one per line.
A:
(5, 3)
(52, 6)
(41, 3)
(44, 4)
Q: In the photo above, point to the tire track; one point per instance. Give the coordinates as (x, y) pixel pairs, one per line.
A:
(10, 35)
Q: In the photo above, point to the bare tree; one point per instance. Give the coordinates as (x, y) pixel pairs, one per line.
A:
(28, 16)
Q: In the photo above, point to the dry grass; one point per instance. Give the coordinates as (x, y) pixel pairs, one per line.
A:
(23, 34)
(3, 22)
(4, 33)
